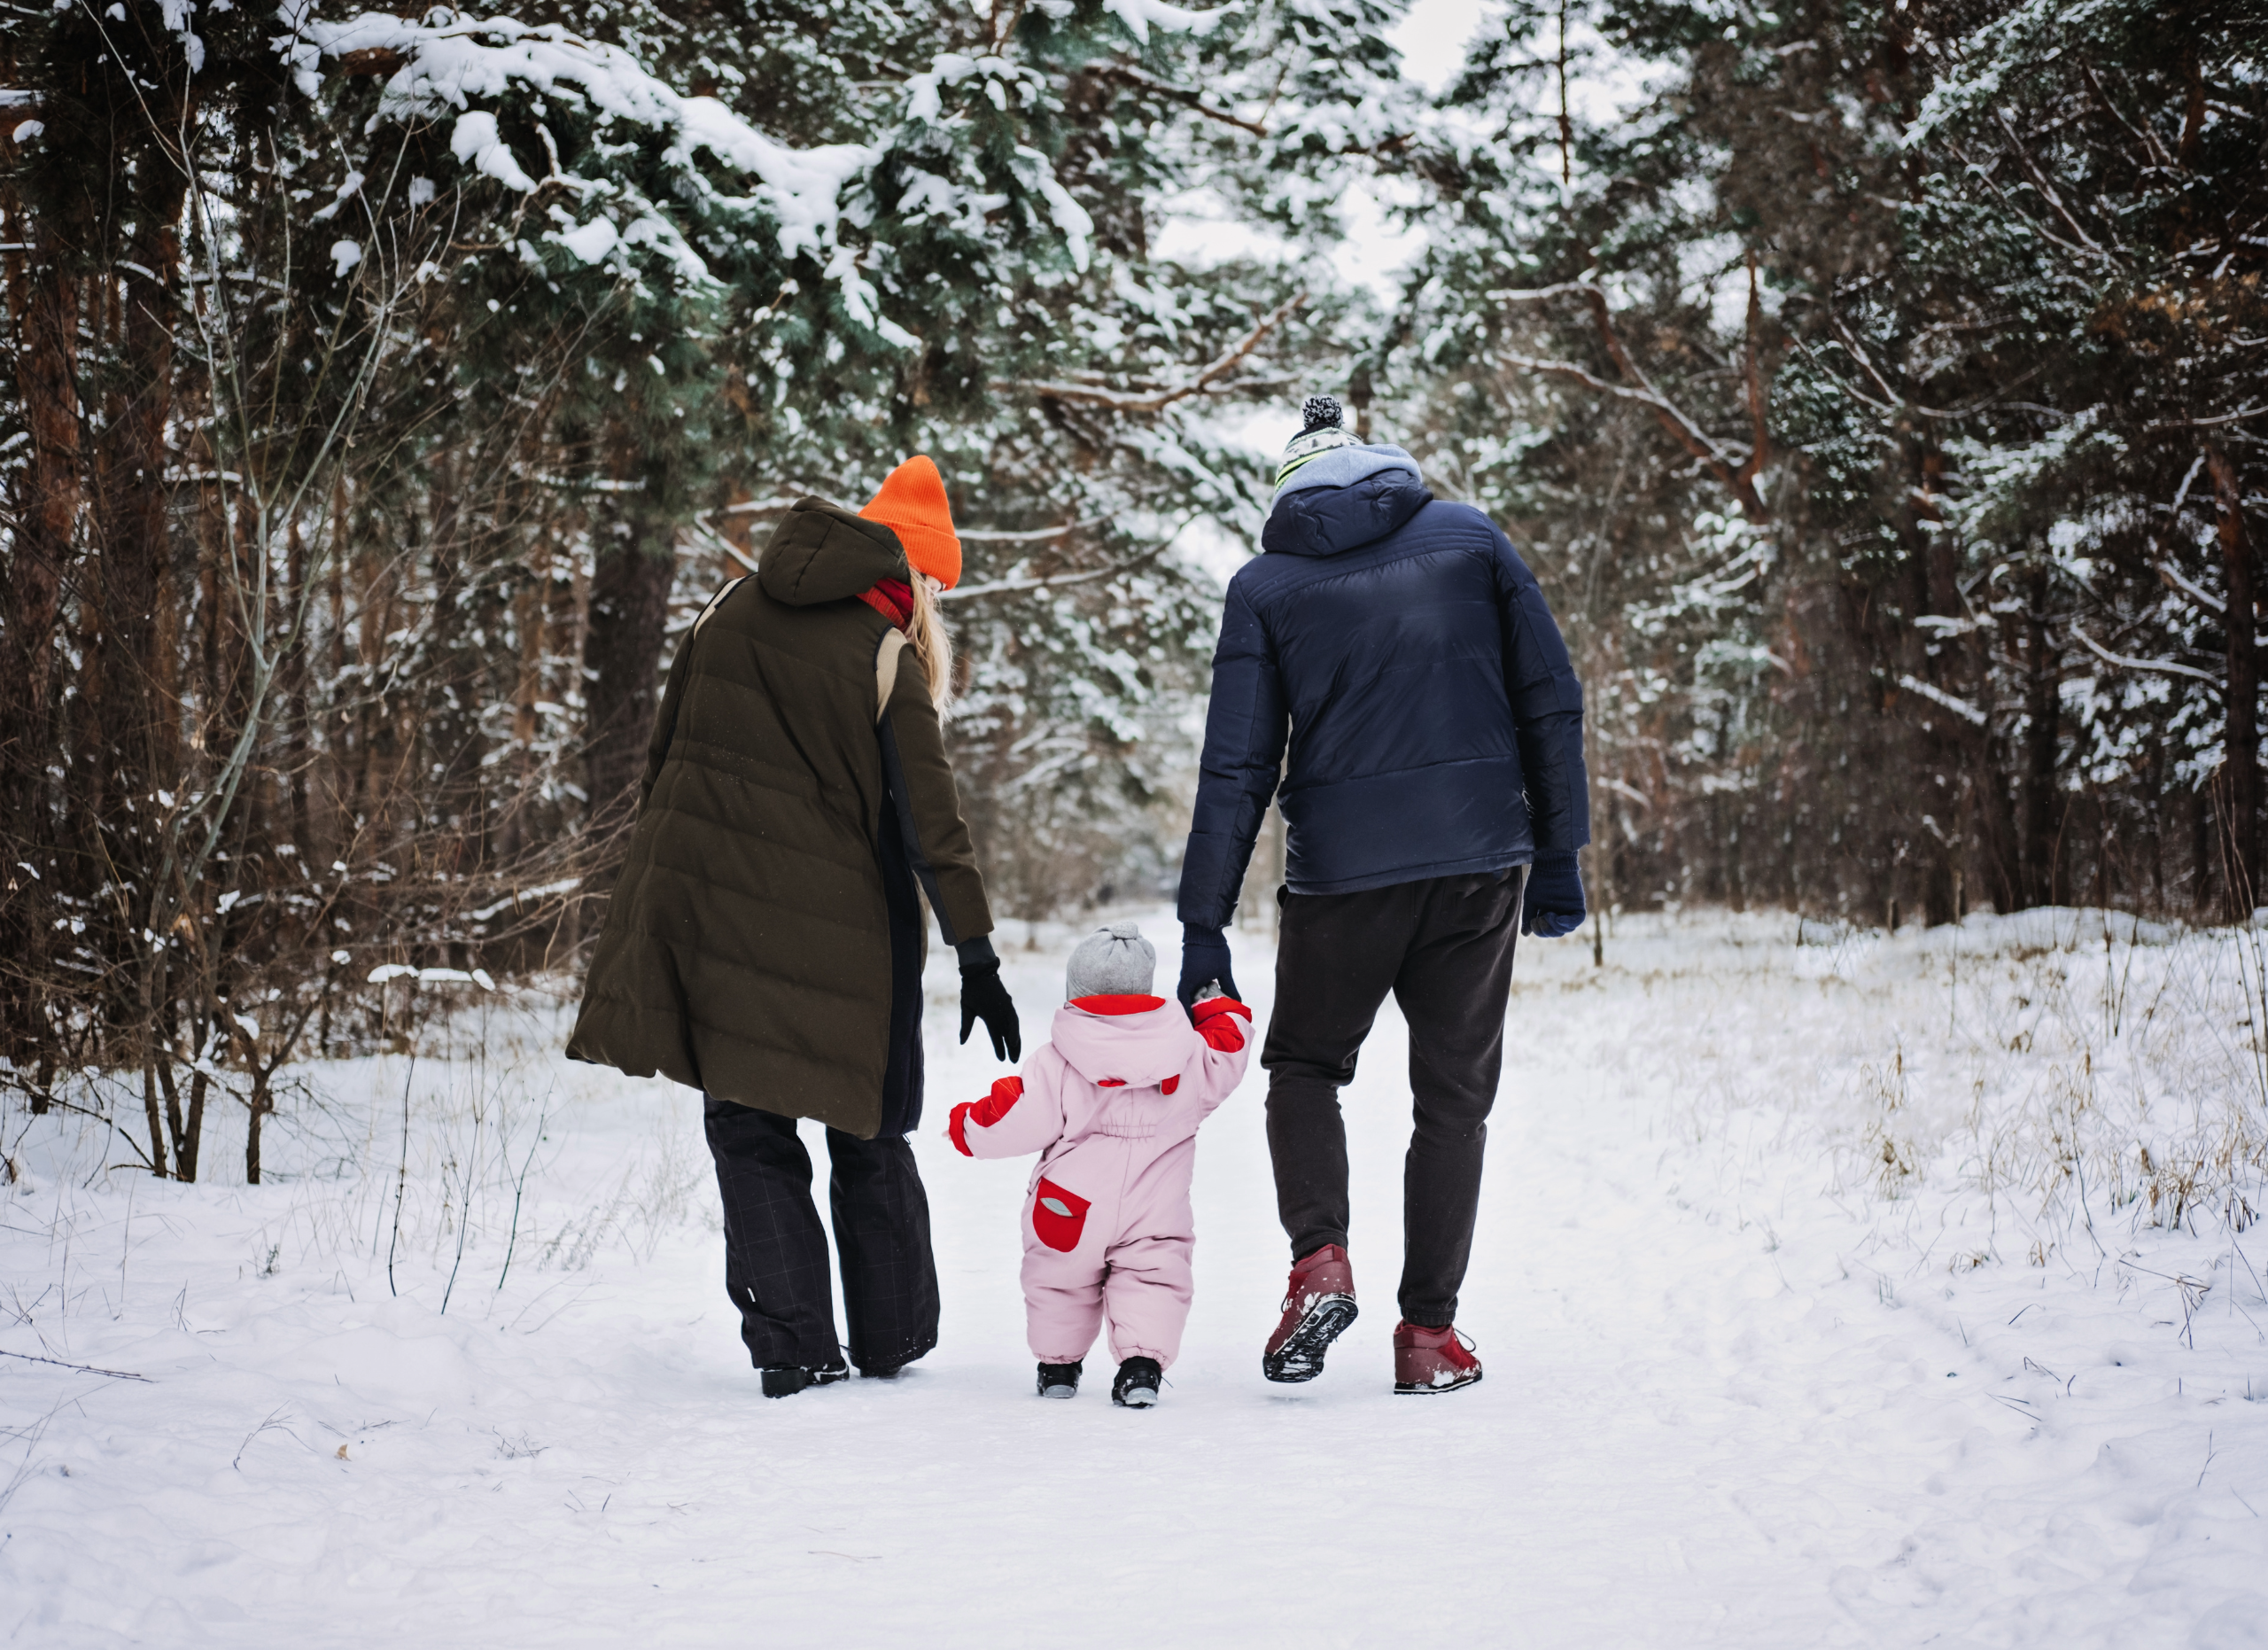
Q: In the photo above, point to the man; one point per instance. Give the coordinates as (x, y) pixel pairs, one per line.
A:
(1435, 776)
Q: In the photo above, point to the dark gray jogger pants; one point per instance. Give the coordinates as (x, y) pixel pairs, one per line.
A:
(1443, 947)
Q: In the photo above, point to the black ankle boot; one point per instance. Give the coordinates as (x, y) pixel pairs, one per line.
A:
(783, 1381)
(1138, 1382)
(1060, 1381)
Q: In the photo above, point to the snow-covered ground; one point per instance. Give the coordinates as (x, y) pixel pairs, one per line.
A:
(1817, 1283)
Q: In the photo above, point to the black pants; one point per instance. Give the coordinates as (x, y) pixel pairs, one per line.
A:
(775, 1249)
(1444, 948)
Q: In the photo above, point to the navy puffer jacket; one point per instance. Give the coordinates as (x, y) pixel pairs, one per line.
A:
(1435, 727)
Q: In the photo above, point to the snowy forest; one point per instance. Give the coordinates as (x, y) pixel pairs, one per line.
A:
(1875, 391)
(1879, 394)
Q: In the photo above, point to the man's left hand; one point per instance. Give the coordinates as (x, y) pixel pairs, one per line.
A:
(1553, 906)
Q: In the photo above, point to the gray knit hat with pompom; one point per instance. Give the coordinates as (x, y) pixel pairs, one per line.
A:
(1323, 427)
(1114, 961)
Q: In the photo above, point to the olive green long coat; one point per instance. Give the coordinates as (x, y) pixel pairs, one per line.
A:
(747, 948)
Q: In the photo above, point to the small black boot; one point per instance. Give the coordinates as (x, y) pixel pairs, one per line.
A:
(783, 1381)
(1138, 1383)
(1060, 1381)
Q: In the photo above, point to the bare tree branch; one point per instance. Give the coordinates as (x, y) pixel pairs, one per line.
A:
(1013, 586)
(1157, 400)
(1638, 387)
(1128, 75)
(1036, 535)
(1759, 449)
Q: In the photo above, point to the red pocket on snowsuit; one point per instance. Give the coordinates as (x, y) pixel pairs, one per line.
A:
(1058, 1217)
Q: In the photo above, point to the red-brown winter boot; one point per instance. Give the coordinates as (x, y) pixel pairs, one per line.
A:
(1432, 1360)
(1318, 1303)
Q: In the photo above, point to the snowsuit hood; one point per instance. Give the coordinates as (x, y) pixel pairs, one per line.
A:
(1343, 499)
(1130, 1042)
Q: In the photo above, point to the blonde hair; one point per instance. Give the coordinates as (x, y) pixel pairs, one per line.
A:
(933, 646)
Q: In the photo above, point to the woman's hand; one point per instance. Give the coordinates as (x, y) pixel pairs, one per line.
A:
(983, 998)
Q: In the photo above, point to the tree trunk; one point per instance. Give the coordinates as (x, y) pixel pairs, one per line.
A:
(531, 615)
(1945, 750)
(126, 677)
(193, 1128)
(47, 380)
(464, 609)
(47, 302)
(260, 1106)
(622, 654)
(151, 1116)
(2241, 747)
(2043, 706)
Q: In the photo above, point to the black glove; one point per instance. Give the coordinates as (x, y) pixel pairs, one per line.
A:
(1204, 959)
(1553, 907)
(983, 998)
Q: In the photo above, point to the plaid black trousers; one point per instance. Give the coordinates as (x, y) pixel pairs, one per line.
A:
(775, 1249)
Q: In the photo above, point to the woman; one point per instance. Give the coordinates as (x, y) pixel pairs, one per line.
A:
(765, 943)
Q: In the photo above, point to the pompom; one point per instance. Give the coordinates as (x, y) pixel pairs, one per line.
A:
(1321, 412)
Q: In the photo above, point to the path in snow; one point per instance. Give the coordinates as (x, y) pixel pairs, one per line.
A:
(1730, 1398)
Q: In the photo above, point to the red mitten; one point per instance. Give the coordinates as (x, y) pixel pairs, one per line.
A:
(983, 1113)
(993, 1107)
(1217, 1022)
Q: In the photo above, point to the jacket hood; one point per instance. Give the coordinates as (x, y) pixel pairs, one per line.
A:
(1342, 500)
(1115, 1042)
(823, 553)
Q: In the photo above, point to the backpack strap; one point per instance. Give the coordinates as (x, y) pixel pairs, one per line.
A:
(886, 658)
(886, 654)
(717, 601)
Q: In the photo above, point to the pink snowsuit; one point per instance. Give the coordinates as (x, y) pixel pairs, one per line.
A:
(1112, 1105)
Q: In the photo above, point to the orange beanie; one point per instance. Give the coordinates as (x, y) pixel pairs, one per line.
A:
(912, 505)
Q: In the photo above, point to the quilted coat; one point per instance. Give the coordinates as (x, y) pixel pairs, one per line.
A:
(762, 944)
(1398, 650)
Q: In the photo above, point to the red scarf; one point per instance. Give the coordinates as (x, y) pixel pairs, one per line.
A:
(893, 599)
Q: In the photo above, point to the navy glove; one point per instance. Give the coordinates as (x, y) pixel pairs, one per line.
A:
(1553, 907)
(983, 998)
(1204, 959)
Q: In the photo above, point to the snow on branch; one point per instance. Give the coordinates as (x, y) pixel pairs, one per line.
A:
(1005, 83)
(1157, 398)
(2165, 667)
(1140, 15)
(441, 67)
(1938, 697)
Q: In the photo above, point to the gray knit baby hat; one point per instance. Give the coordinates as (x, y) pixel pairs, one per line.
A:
(1114, 961)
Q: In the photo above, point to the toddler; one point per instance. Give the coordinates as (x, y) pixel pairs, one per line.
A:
(1111, 1102)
